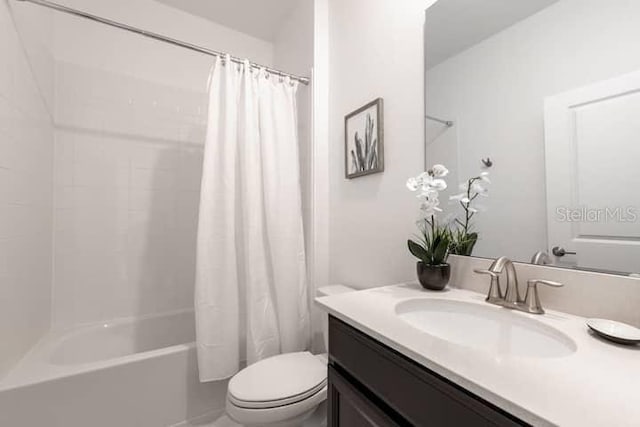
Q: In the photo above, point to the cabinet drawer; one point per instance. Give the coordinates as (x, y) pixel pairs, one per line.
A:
(418, 394)
(349, 407)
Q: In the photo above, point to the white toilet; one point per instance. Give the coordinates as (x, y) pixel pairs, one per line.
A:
(283, 390)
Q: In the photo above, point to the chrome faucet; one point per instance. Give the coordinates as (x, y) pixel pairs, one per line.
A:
(511, 298)
(541, 258)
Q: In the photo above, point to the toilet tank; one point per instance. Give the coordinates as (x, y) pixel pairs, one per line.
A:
(326, 291)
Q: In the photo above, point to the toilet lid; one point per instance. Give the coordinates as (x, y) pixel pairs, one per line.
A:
(279, 380)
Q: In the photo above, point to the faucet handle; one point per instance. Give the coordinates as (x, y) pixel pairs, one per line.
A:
(488, 272)
(531, 299)
(545, 282)
(495, 293)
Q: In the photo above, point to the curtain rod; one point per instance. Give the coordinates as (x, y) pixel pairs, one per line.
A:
(159, 37)
(447, 123)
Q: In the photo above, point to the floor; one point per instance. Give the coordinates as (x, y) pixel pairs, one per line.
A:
(318, 419)
(217, 419)
(210, 421)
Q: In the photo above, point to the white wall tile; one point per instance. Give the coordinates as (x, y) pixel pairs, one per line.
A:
(26, 158)
(128, 162)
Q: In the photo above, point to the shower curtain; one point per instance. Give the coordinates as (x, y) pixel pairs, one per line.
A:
(251, 292)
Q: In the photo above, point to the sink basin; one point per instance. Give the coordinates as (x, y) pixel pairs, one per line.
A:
(485, 327)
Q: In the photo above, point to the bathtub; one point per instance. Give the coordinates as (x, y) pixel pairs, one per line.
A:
(129, 372)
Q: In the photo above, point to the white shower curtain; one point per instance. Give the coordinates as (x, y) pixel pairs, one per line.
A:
(251, 293)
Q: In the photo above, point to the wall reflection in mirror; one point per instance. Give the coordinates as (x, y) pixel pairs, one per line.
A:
(548, 94)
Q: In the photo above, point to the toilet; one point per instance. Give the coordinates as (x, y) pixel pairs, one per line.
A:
(283, 390)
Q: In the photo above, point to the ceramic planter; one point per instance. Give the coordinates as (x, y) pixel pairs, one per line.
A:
(433, 277)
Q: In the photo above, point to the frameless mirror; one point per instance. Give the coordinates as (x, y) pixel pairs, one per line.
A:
(547, 92)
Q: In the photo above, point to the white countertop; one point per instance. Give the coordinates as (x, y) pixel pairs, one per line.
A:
(598, 385)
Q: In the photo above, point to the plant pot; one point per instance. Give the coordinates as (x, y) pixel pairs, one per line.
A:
(433, 277)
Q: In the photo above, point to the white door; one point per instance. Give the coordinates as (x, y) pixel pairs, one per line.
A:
(592, 142)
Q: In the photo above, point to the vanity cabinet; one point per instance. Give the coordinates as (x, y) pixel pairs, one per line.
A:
(371, 384)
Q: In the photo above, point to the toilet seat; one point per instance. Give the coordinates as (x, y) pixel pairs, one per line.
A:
(277, 381)
(286, 415)
(275, 403)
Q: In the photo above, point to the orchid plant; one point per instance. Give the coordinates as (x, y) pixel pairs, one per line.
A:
(432, 247)
(463, 239)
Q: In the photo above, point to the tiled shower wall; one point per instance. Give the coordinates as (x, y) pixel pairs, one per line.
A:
(99, 184)
(26, 152)
(130, 118)
(128, 159)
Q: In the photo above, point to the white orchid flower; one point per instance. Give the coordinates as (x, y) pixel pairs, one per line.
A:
(430, 207)
(439, 171)
(470, 190)
(430, 213)
(436, 184)
(462, 197)
(413, 184)
(423, 176)
(427, 193)
(479, 188)
(427, 207)
(432, 202)
(429, 184)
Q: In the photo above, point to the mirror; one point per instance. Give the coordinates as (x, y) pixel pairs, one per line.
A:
(548, 93)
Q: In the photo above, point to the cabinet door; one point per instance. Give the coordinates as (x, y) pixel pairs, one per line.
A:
(348, 407)
(406, 392)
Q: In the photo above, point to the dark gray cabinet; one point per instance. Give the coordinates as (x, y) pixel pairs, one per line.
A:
(371, 384)
(350, 407)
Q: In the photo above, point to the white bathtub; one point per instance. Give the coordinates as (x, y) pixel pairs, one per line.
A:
(131, 372)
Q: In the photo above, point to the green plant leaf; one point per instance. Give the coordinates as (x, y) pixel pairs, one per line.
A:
(470, 243)
(463, 243)
(418, 251)
(441, 250)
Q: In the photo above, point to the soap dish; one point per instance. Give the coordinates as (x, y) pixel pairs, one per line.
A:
(617, 332)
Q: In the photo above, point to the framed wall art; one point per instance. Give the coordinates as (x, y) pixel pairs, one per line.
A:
(364, 140)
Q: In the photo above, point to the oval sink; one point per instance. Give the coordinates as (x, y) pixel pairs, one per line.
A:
(485, 327)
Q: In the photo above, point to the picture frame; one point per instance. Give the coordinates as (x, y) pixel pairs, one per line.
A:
(364, 140)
